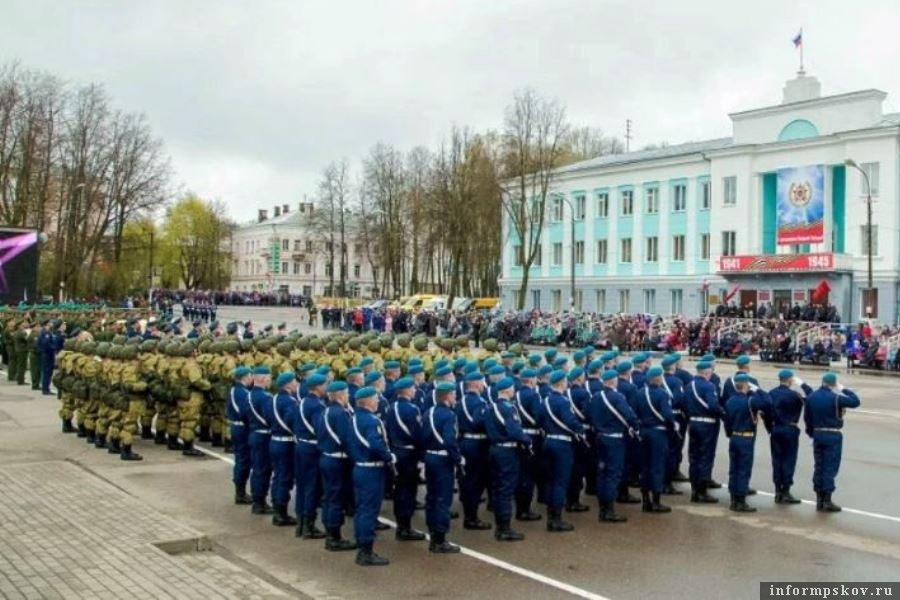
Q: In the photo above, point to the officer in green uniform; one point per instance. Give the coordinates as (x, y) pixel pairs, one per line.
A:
(34, 355)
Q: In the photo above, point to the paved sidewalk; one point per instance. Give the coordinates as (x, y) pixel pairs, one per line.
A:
(66, 533)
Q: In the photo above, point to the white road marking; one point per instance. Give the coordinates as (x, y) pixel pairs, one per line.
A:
(879, 413)
(854, 511)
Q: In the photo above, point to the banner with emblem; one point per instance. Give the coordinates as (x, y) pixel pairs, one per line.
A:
(801, 205)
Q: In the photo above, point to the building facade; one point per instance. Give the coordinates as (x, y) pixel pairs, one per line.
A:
(289, 253)
(766, 216)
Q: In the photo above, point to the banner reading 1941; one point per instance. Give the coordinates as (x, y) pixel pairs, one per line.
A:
(801, 205)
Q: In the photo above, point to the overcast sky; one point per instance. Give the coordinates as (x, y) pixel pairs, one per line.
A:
(254, 98)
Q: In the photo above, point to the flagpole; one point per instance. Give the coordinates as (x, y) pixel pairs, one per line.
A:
(801, 50)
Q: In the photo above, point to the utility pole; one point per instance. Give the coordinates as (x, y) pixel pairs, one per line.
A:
(628, 135)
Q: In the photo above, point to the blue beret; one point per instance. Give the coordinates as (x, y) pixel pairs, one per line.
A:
(496, 370)
(316, 380)
(365, 392)
(403, 383)
(528, 373)
(241, 371)
(608, 356)
(505, 383)
(708, 358)
(262, 370)
(415, 360)
(444, 387)
(391, 364)
(507, 354)
(353, 371)
(443, 371)
(365, 362)
(588, 350)
(560, 362)
(575, 373)
(284, 379)
(470, 367)
(415, 369)
(534, 359)
(668, 361)
(676, 356)
(308, 367)
(741, 378)
(372, 377)
(323, 370)
(336, 386)
(785, 374)
(517, 366)
(742, 360)
(549, 353)
(624, 366)
(594, 366)
(474, 376)
(829, 378)
(489, 363)
(704, 365)
(609, 374)
(544, 370)
(578, 355)
(459, 363)
(557, 376)
(639, 358)
(654, 372)
(440, 364)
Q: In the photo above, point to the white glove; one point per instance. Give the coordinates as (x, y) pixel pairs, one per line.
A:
(753, 387)
(393, 458)
(798, 382)
(840, 387)
(462, 461)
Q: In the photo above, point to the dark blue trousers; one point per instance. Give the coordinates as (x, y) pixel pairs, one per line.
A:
(240, 440)
(47, 363)
(504, 477)
(368, 489)
(309, 480)
(610, 466)
(654, 452)
(438, 492)
(530, 475)
(261, 466)
(282, 454)
(784, 443)
(337, 486)
(557, 463)
(473, 481)
(702, 451)
(406, 484)
(676, 449)
(740, 465)
(827, 448)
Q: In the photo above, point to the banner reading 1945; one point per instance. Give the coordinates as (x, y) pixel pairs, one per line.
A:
(801, 205)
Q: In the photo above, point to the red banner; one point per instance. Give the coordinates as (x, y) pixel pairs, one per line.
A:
(777, 263)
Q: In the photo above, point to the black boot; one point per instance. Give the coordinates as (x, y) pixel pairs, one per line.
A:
(820, 499)
(700, 496)
(625, 496)
(99, 441)
(203, 435)
(379, 526)
(229, 447)
(828, 505)
(739, 504)
(160, 438)
(82, 432)
(114, 446)
(524, 513)
(679, 477)
(367, 558)
(91, 437)
(217, 440)
(646, 505)
(671, 490)
(779, 495)
(555, 522)
(751, 492)
(475, 523)
(656, 506)
(301, 527)
(127, 454)
(577, 507)
(189, 450)
(406, 533)
(173, 443)
(440, 545)
(335, 543)
(608, 513)
(240, 495)
(712, 484)
(312, 532)
(504, 533)
(281, 518)
(67, 426)
(146, 434)
(786, 497)
(260, 507)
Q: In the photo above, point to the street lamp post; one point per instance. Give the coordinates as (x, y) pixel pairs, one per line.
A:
(572, 264)
(870, 295)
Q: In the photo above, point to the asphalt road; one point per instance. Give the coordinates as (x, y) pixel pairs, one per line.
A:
(694, 552)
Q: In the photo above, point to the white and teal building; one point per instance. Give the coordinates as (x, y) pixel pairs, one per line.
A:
(675, 230)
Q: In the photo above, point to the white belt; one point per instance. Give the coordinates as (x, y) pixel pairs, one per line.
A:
(703, 420)
(263, 431)
(283, 438)
(236, 423)
(676, 412)
(660, 427)
(372, 464)
(532, 431)
(506, 444)
(306, 441)
(438, 452)
(747, 434)
(828, 429)
(557, 436)
(335, 454)
(404, 446)
(474, 436)
(612, 435)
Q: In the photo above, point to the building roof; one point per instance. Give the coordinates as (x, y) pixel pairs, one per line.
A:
(673, 151)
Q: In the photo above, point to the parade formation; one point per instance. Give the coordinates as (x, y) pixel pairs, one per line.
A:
(334, 425)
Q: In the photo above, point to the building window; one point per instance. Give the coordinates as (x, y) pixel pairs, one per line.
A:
(557, 254)
(307, 290)
(650, 301)
(679, 197)
(284, 268)
(678, 247)
(579, 207)
(864, 240)
(309, 246)
(729, 187)
(652, 249)
(677, 302)
(601, 252)
(579, 253)
(704, 246)
(538, 256)
(652, 200)
(517, 256)
(296, 268)
(357, 249)
(285, 245)
(627, 203)
(556, 300)
(298, 245)
(307, 268)
(872, 169)
(705, 195)
(602, 205)
(625, 256)
(729, 243)
(329, 268)
(536, 299)
(357, 271)
(600, 301)
(624, 301)
(556, 209)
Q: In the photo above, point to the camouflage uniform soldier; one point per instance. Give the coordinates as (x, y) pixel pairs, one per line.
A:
(226, 369)
(65, 382)
(20, 352)
(190, 404)
(100, 390)
(90, 376)
(117, 401)
(134, 387)
(80, 402)
(34, 356)
(175, 390)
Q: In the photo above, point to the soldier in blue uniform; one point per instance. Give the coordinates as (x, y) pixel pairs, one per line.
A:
(306, 371)
(704, 412)
(561, 429)
(306, 458)
(261, 469)
(612, 419)
(657, 421)
(743, 366)
(544, 381)
(332, 430)
(281, 413)
(495, 374)
(238, 414)
(391, 374)
(640, 363)
(674, 387)
(717, 383)
(584, 454)
(370, 454)
(594, 383)
(528, 403)
(504, 430)
(470, 411)
(248, 331)
(823, 418)
(784, 437)
(404, 429)
(632, 473)
(742, 411)
(195, 330)
(417, 373)
(354, 379)
(442, 458)
(46, 357)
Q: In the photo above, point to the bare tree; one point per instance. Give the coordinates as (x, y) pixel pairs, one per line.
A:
(383, 179)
